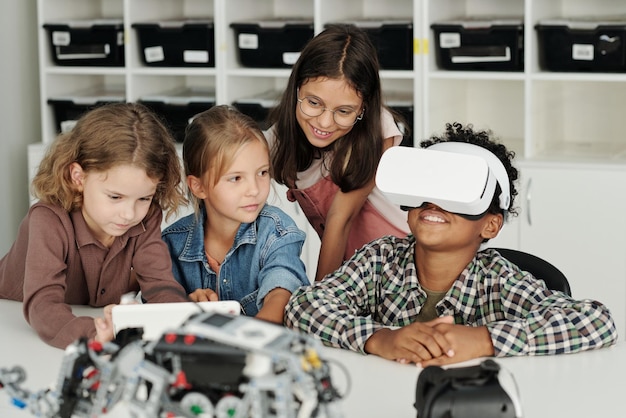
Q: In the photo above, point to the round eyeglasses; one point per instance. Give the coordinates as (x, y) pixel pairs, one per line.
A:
(343, 116)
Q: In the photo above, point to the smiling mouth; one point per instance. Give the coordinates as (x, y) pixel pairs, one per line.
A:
(433, 218)
(322, 133)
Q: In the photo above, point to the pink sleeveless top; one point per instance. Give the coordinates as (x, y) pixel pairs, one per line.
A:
(369, 224)
(315, 193)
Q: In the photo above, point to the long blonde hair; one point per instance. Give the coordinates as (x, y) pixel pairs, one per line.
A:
(111, 135)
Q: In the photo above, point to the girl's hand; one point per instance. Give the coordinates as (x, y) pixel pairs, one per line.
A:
(104, 326)
(203, 295)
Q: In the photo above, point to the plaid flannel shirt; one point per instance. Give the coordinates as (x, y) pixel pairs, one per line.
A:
(378, 288)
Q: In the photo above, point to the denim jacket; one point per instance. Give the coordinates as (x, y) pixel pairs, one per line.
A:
(264, 256)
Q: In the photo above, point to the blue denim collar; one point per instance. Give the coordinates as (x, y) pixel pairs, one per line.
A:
(194, 245)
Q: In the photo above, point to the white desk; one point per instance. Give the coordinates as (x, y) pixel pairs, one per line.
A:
(584, 385)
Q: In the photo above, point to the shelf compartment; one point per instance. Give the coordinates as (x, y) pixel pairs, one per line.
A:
(93, 42)
(582, 120)
(577, 45)
(178, 107)
(491, 104)
(68, 108)
(271, 43)
(479, 44)
(176, 43)
(259, 106)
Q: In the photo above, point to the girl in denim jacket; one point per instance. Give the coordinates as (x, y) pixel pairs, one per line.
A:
(235, 246)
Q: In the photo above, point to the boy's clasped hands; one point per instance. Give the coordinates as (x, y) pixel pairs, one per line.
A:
(435, 342)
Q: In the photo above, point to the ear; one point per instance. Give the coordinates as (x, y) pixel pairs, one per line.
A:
(492, 226)
(77, 175)
(196, 186)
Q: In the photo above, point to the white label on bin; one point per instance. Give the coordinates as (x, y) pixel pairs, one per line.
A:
(67, 125)
(154, 54)
(290, 58)
(103, 53)
(582, 52)
(248, 41)
(449, 40)
(506, 57)
(196, 56)
(61, 38)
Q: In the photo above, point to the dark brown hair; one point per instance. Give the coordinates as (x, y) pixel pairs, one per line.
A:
(341, 52)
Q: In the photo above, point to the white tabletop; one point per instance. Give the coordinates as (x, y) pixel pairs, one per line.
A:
(584, 385)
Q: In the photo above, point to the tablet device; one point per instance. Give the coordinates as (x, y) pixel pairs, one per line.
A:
(155, 318)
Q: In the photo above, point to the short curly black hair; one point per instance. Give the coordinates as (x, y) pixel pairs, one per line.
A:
(456, 132)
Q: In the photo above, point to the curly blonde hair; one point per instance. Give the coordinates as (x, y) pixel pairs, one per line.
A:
(105, 137)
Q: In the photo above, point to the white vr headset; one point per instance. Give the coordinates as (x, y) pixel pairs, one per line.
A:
(456, 176)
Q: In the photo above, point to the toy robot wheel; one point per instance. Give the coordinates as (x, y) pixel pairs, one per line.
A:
(197, 405)
(228, 406)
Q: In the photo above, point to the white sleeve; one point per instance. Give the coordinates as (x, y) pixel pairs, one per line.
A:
(390, 128)
(270, 135)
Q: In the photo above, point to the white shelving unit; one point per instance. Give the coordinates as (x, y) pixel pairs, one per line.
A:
(227, 78)
(539, 114)
(555, 122)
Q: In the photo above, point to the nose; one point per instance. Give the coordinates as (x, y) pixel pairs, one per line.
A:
(327, 118)
(128, 211)
(429, 205)
(253, 187)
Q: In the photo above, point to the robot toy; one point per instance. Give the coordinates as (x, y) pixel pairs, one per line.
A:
(215, 365)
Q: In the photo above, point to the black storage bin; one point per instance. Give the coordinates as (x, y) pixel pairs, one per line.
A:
(177, 43)
(271, 43)
(582, 45)
(393, 40)
(480, 44)
(258, 107)
(177, 108)
(69, 108)
(98, 42)
(403, 104)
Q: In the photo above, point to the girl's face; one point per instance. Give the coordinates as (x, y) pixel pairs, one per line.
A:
(331, 94)
(241, 191)
(115, 200)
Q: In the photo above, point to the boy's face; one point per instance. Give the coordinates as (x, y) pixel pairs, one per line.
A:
(437, 229)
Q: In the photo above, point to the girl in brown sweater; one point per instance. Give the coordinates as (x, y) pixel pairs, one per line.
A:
(95, 232)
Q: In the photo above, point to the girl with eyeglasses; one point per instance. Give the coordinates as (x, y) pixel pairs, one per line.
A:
(327, 134)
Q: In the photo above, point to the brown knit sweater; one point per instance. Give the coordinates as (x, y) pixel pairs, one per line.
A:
(56, 262)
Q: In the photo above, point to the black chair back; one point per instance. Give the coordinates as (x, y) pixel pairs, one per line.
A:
(538, 267)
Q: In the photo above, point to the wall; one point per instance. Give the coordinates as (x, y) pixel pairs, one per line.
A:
(19, 111)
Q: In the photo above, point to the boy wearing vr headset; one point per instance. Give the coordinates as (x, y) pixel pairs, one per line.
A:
(434, 297)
